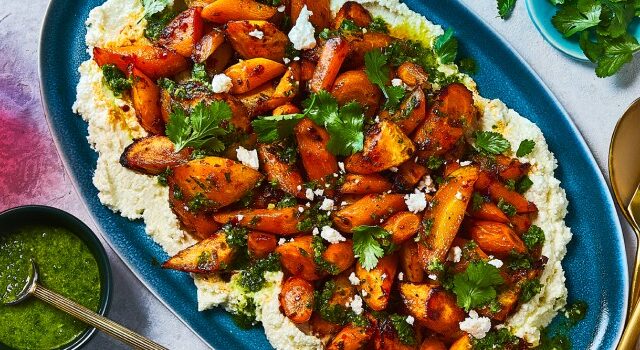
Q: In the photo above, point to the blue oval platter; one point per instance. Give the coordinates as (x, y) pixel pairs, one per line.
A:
(596, 263)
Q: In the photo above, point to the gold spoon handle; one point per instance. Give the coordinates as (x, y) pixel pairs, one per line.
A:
(89, 317)
(631, 332)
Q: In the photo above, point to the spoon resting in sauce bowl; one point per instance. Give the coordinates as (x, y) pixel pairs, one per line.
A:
(129, 337)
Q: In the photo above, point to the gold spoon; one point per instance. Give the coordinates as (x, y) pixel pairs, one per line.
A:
(624, 172)
(32, 288)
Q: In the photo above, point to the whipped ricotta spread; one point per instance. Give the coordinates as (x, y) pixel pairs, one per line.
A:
(112, 126)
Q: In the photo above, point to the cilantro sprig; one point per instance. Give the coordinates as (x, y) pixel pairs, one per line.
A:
(476, 286)
(505, 8)
(526, 147)
(491, 142)
(151, 7)
(202, 128)
(378, 72)
(371, 243)
(446, 46)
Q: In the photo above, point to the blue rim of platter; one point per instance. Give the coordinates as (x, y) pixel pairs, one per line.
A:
(541, 11)
(502, 73)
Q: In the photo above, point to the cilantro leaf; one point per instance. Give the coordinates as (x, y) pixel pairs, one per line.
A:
(152, 7)
(491, 142)
(577, 17)
(368, 245)
(505, 8)
(617, 53)
(475, 286)
(526, 146)
(378, 72)
(405, 331)
(446, 46)
(524, 184)
(201, 128)
(615, 18)
(273, 128)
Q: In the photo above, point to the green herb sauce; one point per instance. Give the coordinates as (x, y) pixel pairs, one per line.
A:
(65, 266)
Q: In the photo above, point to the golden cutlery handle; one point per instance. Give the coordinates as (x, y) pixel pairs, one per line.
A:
(89, 317)
(631, 332)
(635, 280)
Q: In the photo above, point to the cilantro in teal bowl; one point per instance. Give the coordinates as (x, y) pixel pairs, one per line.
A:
(71, 261)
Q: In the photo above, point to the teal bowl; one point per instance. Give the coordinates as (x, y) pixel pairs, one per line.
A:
(42, 215)
(541, 12)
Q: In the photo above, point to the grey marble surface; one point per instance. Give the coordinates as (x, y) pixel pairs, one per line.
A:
(32, 173)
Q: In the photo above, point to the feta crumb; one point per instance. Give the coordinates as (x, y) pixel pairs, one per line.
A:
(281, 8)
(315, 231)
(286, 60)
(335, 174)
(301, 209)
(331, 235)
(239, 217)
(455, 254)
(354, 279)
(356, 305)
(302, 35)
(433, 276)
(377, 119)
(394, 169)
(343, 203)
(318, 192)
(396, 82)
(401, 276)
(296, 58)
(410, 320)
(327, 204)
(364, 293)
(459, 196)
(384, 276)
(308, 205)
(496, 262)
(258, 34)
(221, 83)
(327, 185)
(248, 157)
(364, 30)
(282, 241)
(309, 194)
(465, 163)
(356, 181)
(341, 166)
(416, 202)
(476, 326)
(426, 184)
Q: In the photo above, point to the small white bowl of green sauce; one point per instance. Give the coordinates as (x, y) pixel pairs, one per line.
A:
(71, 261)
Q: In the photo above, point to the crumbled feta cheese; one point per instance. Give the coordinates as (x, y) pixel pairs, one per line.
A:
(341, 166)
(281, 8)
(296, 58)
(282, 241)
(248, 157)
(258, 34)
(426, 184)
(377, 119)
(465, 163)
(318, 192)
(286, 60)
(315, 231)
(455, 254)
(335, 174)
(221, 83)
(356, 305)
(327, 204)
(301, 209)
(354, 279)
(416, 202)
(410, 320)
(396, 82)
(343, 203)
(356, 181)
(364, 293)
(309, 194)
(327, 185)
(331, 235)
(299, 187)
(476, 326)
(384, 276)
(302, 35)
(496, 262)
(394, 169)
(364, 30)
(400, 276)
(308, 205)
(459, 196)
(433, 276)
(240, 217)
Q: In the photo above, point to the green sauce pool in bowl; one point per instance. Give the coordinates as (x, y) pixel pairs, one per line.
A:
(70, 261)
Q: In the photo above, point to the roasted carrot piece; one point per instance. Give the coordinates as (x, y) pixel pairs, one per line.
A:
(354, 12)
(463, 343)
(220, 59)
(223, 11)
(206, 256)
(445, 216)
(499, 191)
(333, 53)
(412, 111)
(402, 226)
(198, 223)
(386, 336)
(496, 238)
(282, 221)
(183, 32)
(258, 100)
(360, 46)
(433, 307)
(377, 282)
(289, 84)
(288, 108)
(520, 223)
(411, 266)
(351, 337)
(271, 45)
(307, 68)
(260, 244)
(484, 180)
(296, 299)
(250, 74)
(322, 328)
(285, 175)
(489, 211)
(369, 210)
(409, 174)
(312, 147)
(355, 86)
(432, 343)
(510, 168)
(321, 17)
(365, 184)
(146, 101)
(153, 155)
(296, 257)
(155, 62)
(413, 75)
(207, 45)
(340, 255)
